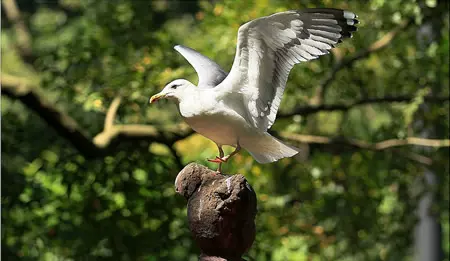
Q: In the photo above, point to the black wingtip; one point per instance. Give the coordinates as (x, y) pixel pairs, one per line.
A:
(351, 28)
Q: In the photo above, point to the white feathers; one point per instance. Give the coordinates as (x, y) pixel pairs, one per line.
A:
(209, 73)
(324, 21)
(269, 47)
(237, 109)
(349, 15)
(296, 24)
(290, 33)
(267, 50)
(269, 149)
(329, 35)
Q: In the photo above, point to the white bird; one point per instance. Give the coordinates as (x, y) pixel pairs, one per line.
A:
(238, 108)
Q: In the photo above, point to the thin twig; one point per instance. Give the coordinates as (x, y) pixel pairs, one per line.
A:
(306, 110)
(22, 33)
(411, 141)
(111, 113)
(378, 45)
(17, 88)
(102, 144)
(420, 158)
(382, 145)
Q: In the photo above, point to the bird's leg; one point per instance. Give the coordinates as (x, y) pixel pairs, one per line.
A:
(219, 169)
(223, 158)
(226, 158)
(218, 159)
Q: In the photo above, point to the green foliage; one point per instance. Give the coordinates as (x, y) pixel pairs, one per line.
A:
(338, 204)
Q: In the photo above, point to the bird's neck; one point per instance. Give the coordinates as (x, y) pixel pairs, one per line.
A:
(194, 101)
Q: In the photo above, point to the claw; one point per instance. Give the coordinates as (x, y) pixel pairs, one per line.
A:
(216, 160)
(223, 158)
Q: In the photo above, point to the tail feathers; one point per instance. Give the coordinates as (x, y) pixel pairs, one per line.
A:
(268, 149)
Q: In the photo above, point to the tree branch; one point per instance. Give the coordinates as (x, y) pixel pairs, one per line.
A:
(306, 110)
(378, 45)
(106, 141)
(24, 43)
(111, 113)
(67, 127)
(359, 144)
(103, 143)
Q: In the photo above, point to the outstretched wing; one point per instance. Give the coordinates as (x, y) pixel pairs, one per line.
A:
(210, 74)
(270, 46)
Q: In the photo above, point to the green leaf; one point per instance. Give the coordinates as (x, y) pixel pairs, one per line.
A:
(140, 175)
(32, 167)
(119, 199)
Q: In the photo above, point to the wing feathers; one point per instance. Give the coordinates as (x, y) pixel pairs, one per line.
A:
(210, 74)
(321, 45)
(325, 34)
(269, 47)
(327, 28)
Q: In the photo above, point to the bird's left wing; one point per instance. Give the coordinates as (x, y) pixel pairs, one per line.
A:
(270, 46)
(210, 74)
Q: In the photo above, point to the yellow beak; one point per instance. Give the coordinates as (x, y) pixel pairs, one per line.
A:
(156, 97)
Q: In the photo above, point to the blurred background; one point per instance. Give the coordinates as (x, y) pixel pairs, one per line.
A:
(88, 168)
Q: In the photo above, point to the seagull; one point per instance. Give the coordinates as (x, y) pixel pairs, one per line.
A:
(238, 108)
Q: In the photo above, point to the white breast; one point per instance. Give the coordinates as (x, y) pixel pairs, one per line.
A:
(213, 117)
(215, 128)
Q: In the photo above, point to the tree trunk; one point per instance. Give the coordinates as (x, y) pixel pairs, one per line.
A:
(428, 235)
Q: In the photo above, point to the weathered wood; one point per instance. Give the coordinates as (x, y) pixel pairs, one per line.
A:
(221, 212)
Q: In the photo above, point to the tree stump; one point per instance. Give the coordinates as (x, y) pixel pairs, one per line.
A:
(221, 212)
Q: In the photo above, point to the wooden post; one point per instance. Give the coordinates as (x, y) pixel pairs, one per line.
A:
(221, 212)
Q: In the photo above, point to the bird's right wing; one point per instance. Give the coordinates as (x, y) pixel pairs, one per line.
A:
(210, 74)
(270, 46)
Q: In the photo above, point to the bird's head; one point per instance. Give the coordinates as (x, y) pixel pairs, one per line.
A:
(174, 90)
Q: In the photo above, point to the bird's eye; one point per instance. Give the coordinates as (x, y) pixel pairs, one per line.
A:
(175, 86)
